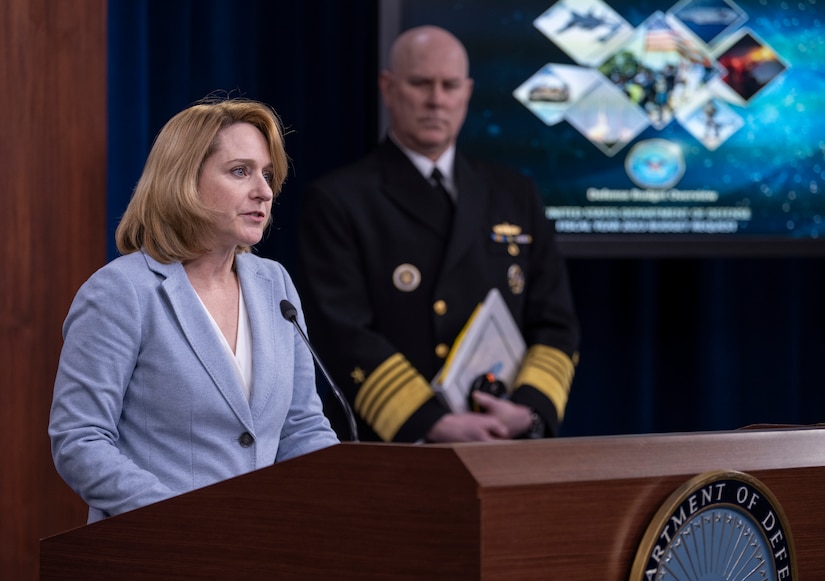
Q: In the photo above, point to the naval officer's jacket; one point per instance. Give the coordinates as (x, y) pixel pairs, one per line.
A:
(390, 278)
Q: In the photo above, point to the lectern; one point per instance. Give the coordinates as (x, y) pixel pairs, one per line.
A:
(570, 508)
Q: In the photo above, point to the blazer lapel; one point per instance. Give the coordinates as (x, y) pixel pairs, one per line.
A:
(199, 332)
(259, 294)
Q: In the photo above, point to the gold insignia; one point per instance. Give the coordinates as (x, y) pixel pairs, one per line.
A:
(406, 277)
(357, 375)
(515, 278)
(441, 350)
(507, 229)
(511, 235)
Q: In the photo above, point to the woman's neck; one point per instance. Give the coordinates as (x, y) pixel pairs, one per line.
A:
(211, 271)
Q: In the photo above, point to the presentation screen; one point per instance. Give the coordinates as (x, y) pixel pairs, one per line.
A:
(651, 128)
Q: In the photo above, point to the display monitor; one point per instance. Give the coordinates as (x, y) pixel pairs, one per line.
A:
(651, 128)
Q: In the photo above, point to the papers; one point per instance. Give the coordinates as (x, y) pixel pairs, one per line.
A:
(489, 343)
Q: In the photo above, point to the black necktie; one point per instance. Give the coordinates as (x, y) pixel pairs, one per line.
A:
(438, 180)
(444, 201)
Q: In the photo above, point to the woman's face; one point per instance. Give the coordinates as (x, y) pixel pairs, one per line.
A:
(236, 183)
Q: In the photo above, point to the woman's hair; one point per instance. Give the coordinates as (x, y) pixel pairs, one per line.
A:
(166, 216)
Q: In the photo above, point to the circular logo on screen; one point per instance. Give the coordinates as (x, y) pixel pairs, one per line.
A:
(720, 525)
(655, 164)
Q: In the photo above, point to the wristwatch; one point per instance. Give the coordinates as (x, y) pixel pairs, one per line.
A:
(537, 426)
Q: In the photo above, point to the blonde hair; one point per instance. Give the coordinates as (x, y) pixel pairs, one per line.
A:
(166, 216)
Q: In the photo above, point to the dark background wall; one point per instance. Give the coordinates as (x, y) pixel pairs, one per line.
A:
(314, 61)
(675, 344)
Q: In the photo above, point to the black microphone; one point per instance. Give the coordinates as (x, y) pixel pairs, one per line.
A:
(290, 313)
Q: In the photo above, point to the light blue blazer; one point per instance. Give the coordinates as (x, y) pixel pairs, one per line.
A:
(147, 403)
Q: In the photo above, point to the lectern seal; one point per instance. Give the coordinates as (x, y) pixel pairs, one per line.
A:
(721, 525)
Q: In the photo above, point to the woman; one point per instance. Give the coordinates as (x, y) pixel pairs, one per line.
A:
(177, 370)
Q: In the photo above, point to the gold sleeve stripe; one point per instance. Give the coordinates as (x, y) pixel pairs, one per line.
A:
(385, 386)
(551, 372)
(390, 395)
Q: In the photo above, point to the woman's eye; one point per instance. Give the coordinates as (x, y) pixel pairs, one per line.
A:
(239, 171)
(269, 177)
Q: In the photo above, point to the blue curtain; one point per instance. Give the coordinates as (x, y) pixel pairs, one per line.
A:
(697, 344)
(314, 61)
(668, 344)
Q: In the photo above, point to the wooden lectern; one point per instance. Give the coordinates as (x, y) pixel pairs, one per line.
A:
(570, 508)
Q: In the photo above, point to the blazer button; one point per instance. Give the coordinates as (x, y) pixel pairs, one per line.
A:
(440, 307)
(246, 440)
(441, 350)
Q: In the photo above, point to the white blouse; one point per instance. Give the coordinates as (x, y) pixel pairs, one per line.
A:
(242, 356)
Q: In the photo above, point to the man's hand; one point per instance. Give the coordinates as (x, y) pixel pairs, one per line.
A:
(515, 417)
(499, 419)
(467, 427)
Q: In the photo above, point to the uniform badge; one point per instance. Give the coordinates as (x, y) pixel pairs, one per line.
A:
(406, 277)
(505, 229)
(511, 235)
(515, 278)
(357, 375)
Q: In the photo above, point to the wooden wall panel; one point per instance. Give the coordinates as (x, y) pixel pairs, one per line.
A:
(52, 237)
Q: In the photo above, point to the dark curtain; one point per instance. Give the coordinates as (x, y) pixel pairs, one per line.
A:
(697, 344)
(314, 61)
(668, 345)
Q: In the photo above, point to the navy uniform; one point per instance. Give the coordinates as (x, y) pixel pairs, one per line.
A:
(391, 273)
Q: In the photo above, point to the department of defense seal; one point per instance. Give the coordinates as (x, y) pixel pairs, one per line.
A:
(721, 525)
(655, 164)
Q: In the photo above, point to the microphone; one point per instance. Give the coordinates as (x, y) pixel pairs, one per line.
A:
(290, 313)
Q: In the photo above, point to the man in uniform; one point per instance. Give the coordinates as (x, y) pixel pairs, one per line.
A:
(399, 248)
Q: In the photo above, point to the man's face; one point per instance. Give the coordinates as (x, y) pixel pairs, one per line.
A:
(426, 94)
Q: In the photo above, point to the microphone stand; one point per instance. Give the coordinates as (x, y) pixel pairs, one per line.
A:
(290, 313)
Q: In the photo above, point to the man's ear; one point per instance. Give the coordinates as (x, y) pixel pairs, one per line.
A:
(385, 81)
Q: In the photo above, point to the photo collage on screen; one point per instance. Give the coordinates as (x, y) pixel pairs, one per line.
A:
(686, 65)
